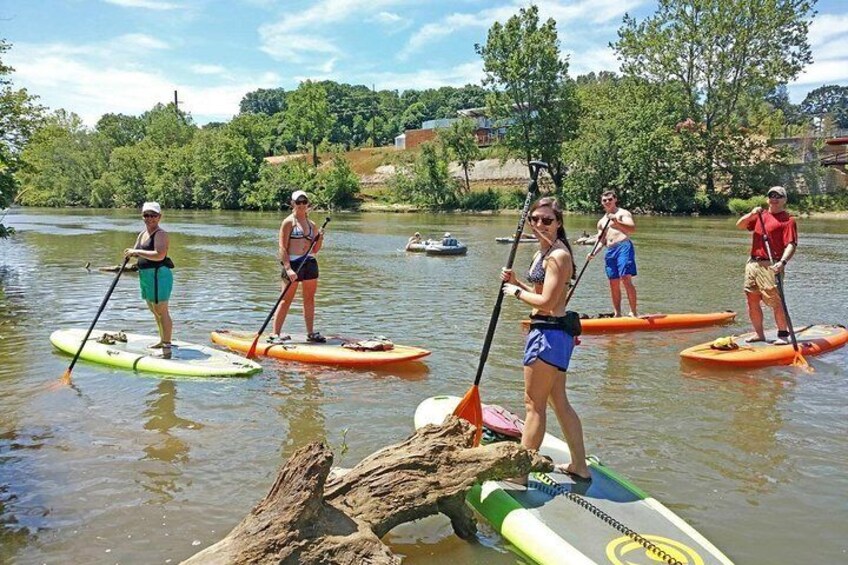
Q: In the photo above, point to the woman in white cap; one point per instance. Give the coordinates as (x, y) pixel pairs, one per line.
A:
(414, 240)
(297, 233)
(154, 272)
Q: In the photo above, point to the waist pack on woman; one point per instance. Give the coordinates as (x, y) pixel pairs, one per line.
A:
(570, 323)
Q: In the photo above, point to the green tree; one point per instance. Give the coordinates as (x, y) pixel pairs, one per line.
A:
(221, 168)
(268, 101)
(308, 116)
(121, 129)
(20, 116)
(165, 127)
(718, 51)
(427, 182)
(276, 183)
(337, 185)
(461, 143)
(61, 161)
(530, 88)
(629, 141)
(828, 100)
(133, 169)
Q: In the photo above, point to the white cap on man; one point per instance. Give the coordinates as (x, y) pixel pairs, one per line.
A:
(779, 190)
(298, 194)
(447, 234)
(151, 207)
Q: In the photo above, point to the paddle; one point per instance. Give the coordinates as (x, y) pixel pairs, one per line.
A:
(589, 258)
(799, 360)
(251, 354)
(66, 377)
(470, 408)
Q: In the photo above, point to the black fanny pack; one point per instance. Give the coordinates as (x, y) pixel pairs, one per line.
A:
(570, 323)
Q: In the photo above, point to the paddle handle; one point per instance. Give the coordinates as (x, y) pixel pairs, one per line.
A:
(297, 273)
(99, 311)
(532, 189)
(589, 258)
(778, 277)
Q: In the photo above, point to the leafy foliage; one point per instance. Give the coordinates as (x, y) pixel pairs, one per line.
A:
(530, 88)
(828, 99)
(461, 144)
(308, 116)
(427, 182)
(719, 52)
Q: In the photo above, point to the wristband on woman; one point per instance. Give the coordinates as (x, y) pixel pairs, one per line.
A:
(517, 293)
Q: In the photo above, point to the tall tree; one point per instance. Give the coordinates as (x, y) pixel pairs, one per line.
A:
(719, 51)
(308, 116)
(829, 99)
(530, 88)
(267, 101)
(121, 129)
(20, 116)
(461, 143)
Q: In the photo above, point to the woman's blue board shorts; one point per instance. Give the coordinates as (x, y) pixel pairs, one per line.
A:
(621, 260)
(552, 345)
(156, 284)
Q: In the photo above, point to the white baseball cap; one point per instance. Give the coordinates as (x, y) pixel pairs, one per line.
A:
(151, 207)
(298, 194)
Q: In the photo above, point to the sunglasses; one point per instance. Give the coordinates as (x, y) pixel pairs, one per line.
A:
(544, 220)
(301, 201)
(607, 199)
(775, 195)
(150, 215)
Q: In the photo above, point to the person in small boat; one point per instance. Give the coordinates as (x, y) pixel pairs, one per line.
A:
(154, 272)
(300, 267)
(549, 344)
(760, 274)
(620, 255)
(448, 241)
(415, 239)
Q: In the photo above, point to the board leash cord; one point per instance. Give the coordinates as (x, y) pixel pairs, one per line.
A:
(547, 485)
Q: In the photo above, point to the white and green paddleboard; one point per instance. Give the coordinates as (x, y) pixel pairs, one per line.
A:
(187, 359)
(556, 520)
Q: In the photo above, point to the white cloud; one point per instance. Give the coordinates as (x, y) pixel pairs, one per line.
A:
(147, 4)
(388, 18)
(208, 69)
(595, 11)
(825, 72)
(459, 75)
(288, 40)
(90, 81)
(827, 26)
(291, 48)
(592, 60)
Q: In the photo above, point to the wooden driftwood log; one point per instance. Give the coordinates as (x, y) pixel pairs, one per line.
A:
(308, 518)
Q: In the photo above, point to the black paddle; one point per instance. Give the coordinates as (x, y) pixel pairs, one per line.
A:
(799, 360)
(589, 258)
(470, 408)
(251, 353)
(66, 377)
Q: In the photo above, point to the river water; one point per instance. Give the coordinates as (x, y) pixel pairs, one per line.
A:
(134, 468)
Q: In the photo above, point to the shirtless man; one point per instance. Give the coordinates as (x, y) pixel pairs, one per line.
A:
(620, 255)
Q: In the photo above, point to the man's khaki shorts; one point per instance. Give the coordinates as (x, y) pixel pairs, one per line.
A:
(760, 278)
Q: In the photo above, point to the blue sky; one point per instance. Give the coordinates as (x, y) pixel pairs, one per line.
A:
(98, 56)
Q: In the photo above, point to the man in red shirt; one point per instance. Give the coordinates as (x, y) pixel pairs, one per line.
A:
(760, 284)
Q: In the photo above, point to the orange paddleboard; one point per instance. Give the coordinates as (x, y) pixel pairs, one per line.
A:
(812, 340)
(652, 322)
(330, 353)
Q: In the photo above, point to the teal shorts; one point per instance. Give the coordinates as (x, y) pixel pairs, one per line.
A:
(156, 284)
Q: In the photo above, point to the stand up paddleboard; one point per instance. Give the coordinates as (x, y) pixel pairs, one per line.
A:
(331, 353)
(187, 359)
(651, 322)
(812, 340)
(559, 520)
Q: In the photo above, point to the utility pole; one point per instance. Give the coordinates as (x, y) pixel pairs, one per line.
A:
(177, 107)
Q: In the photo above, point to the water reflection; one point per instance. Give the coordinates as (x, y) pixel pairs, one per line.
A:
(165, 447)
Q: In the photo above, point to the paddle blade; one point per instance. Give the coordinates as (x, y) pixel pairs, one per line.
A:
(801, 363)
(470, 409)
(66, 377)
(251, 353)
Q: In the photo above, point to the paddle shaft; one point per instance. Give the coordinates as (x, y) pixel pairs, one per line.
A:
(99, 311)
(589, 258)
(297, 273)
(778, 277)
(532, 189)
